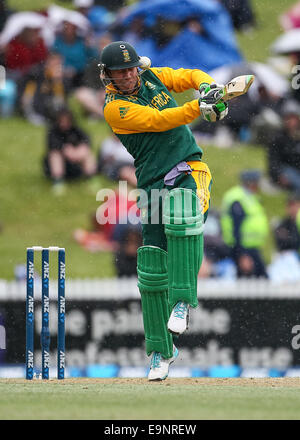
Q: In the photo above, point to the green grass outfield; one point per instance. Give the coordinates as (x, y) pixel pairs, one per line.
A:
(31, 215)
(137, 399)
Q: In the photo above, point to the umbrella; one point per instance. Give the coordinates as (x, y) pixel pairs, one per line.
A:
(272, 80)
(211, 14)
(56, 15)
(264, 74)
(215, 46)
(171, 9)
(288, 42)
(17, 22)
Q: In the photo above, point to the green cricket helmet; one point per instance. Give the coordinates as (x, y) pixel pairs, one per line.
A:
(119, 55)
(115, 56)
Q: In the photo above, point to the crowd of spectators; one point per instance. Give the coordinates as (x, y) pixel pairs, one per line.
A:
(47, 68)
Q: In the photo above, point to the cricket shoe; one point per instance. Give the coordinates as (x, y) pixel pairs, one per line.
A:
(159, 367)
(179, 318)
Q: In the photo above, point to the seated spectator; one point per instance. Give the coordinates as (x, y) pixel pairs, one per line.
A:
(165, 30)
(252, 117)
(43, 91)
(23, 52)
(242, 112)
(133, 33)
(236, 128)
(245, 225)
(106, 230)
(115, 162)
(268, 118)
(193, 25)
(242, 14)
(284, 150)
(91, 94)
(287, 231)
(128, 238)
(96, 239)
(76, 54)
(217, 260)
(285, 264)
(69, 152)
(112, 5)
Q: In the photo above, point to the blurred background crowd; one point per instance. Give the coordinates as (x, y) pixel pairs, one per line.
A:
(52, 56)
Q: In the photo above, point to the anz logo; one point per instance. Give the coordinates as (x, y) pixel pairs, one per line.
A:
(2, 338)
(296, 338)
(2, 77)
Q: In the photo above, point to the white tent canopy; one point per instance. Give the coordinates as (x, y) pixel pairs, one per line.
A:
(287, 43)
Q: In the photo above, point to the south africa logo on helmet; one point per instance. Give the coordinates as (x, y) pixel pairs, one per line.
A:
(119, 55)
(126, 56)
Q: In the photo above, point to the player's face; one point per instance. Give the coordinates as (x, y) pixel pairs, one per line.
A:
(125, 79)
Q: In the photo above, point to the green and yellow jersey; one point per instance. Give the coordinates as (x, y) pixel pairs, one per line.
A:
(151, 125)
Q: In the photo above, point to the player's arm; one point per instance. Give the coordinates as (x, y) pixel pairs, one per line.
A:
(180, 80)
(127, 117)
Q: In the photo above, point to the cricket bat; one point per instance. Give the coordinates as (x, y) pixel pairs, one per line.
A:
(236, 87)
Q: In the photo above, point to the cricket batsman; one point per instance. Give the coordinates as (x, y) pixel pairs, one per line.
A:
(143, 114)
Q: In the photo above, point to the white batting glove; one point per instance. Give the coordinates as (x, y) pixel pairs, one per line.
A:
(210, 93)
(213, 112)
